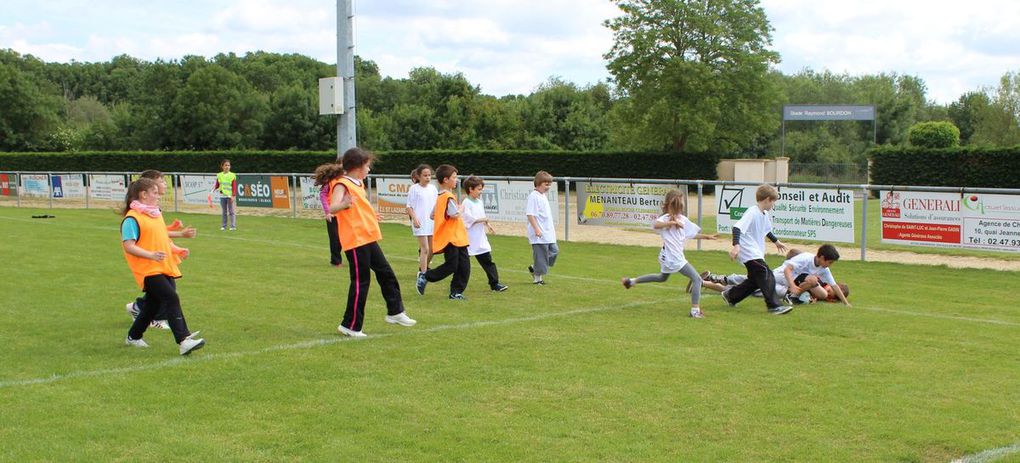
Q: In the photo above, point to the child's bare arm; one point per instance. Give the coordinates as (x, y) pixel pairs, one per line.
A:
(339, 201)
(131, 247)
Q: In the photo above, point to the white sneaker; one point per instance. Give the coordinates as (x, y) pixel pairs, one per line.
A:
(697, 313)
(190, 344)
(354, 334)
(400, 319)
(160, 324)
(135, 342)
(132, 310)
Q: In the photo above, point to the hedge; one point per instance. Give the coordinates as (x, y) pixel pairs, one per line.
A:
(981, 167)
(494, 163)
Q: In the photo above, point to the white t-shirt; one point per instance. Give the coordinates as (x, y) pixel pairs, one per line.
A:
(478, 241)
(754, 226)
(671, 257)
(803, 263)
(422, 200)
(538, 206)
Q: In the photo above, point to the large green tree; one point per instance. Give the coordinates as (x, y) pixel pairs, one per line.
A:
(696, 72)
(29, 109)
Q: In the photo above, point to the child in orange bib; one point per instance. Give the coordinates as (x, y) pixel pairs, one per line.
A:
(153, 259)
(449, 237)
(358, 227)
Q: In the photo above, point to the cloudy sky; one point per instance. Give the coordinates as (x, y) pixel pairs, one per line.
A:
(511, 46)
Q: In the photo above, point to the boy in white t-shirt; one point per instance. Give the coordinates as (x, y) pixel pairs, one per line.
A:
(801, 278)
(477, 225)
(749, 235)
(541, 228)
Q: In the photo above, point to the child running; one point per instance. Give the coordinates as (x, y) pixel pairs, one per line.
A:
(450, 238)
(421, 199)
(477, 225)
(541, 229)
(749, 235)
(152, 258)
(675, 229)
(174, 230)
(359, 237)
(323, 175)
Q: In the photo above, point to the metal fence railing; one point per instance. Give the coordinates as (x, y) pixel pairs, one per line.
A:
(987, 216)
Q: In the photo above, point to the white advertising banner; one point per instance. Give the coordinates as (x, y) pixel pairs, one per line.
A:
(68, 186)
(37, 185)
(800, 213)
(195, 189)
(977, 221)
(108, 187)
(506, 201)
(309, 193)
(619, 204)
(391, 195)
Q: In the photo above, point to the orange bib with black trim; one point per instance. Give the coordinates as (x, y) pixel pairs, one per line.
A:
(152, 236)
(358, 225)
(447, 230)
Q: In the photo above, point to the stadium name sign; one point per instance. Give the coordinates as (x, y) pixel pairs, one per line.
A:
(828, 113)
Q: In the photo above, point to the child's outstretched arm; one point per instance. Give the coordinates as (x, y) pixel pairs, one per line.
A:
(131, 247)
(701, 236)
(842, 297)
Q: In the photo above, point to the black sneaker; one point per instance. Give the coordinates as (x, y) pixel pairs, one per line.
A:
(531, 269)
(499, 288)
(419, 284)
(539, 282)
(726, 299)
(458, 297)
(780, 310)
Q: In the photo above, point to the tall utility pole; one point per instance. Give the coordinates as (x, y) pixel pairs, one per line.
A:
(346, 138)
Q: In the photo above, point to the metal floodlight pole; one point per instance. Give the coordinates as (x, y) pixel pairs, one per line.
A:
(346, 137)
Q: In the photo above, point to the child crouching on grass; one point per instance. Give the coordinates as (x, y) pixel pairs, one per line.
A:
(675, 229)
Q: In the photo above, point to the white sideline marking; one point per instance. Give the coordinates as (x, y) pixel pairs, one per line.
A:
(946, 317)
(304, 345)
(989, 455)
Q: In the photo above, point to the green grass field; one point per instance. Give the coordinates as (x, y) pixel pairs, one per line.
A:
(923, 368)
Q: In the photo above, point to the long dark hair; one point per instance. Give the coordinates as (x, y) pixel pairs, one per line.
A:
(326, 173)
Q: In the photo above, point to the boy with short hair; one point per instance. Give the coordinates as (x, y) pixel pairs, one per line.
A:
(541, 228)
(800, 278)
(449, 237)
(749, 235)
(477, 225)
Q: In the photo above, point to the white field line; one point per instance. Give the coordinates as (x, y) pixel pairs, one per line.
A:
(200, 358)
(989, 455)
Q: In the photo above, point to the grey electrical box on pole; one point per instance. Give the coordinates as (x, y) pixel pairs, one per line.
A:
(345, 124)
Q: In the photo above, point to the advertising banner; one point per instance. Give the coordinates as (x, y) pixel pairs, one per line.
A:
(391, 195)
(6, 187)
(254, 191)
(619, 204)
(108, 187)
(195, 189)
(977, 221)
(800, 213)
(37, 185)
(506, 201)
(309, 193)
(68, 186)
(263, 191)
(281, 191)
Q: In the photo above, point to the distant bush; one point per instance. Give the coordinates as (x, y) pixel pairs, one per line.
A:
(940, 134)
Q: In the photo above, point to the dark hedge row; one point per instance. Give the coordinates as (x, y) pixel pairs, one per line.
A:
(493, 163)
(958, 167)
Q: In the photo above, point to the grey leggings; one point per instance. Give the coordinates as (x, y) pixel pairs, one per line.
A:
(688, 271)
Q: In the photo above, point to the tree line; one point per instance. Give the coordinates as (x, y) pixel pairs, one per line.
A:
(686, 76)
